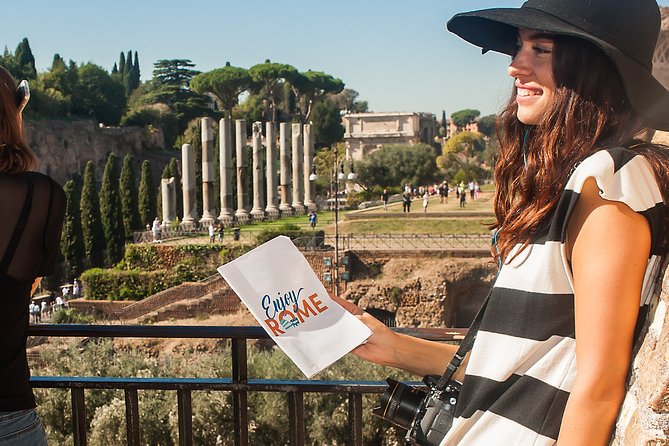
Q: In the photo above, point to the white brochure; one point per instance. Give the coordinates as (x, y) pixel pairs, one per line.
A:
(284, 294)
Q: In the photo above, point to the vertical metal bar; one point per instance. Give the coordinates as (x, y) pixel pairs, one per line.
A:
(296, 418)
(78, 416)
(132, 416)
(185, 417)
(355, 419)
(239, 397)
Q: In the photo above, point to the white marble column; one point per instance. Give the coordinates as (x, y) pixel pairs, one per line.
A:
(208, 175)
(309, 186)
(188, 184)
(284, 160)
(242, 212)
(270, 160)
(168, 195)
(258, 211)
(298, 185)
(226, 170)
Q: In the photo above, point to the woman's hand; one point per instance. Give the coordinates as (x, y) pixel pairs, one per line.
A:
(385, 347)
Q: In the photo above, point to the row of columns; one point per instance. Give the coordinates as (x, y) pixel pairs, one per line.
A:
(295, 190)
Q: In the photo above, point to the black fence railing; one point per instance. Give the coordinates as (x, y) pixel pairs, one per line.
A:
(239, 384)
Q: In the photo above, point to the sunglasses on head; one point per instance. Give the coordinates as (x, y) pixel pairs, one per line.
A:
(22, 95)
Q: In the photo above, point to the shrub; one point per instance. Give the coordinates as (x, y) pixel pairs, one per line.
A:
(301, 237)
(71, 316)
(113, 284)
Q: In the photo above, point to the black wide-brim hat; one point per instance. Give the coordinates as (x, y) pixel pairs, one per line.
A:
(625, 30)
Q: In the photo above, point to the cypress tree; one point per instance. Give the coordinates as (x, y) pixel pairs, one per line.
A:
(72, 240)
(133, 75)
(25, 60)
(128, 65)
(121, 64)
(174, 172)
(147, 195)
(91, 224)
(110, 209)
(128, 192)
(114, 71)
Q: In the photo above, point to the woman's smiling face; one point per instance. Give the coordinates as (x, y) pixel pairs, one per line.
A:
(532, 68)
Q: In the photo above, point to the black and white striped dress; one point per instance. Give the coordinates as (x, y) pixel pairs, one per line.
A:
(523, 363)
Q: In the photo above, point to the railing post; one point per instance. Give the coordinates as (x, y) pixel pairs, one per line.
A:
(132, 416)
(355, 419)
(78, 416)
(296, 418)
(185, 417)
(239, 397)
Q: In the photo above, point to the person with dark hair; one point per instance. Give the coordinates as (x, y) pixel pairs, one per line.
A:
(33, 208)
(581, 228)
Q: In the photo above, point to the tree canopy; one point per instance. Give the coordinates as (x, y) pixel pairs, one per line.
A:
(396, 165)
(487, 125)
(463, 117)
(226, 84)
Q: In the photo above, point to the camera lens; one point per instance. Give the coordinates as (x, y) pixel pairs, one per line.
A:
(400, 404)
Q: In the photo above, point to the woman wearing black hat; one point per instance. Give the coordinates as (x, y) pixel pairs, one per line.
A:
(581, 226)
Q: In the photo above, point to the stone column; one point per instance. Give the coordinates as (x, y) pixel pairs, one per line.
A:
(309, 186)
(188, 184)
(226, 171)
(284, 160)
(298, 186)
(258, 211)
(242, 212)
(270, 159)
(208, 177)
(168, 194)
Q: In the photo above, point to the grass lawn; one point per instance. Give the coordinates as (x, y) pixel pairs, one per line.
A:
(416, 226)
(482, 204)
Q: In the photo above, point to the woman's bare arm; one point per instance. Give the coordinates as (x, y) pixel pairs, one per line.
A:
(609, 245)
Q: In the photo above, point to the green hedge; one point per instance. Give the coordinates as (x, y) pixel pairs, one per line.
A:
(113, 284)
(301, 237)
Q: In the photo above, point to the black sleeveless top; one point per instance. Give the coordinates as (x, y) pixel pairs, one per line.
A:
(32, 207)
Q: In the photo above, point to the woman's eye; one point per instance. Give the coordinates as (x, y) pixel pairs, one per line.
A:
(540, 50)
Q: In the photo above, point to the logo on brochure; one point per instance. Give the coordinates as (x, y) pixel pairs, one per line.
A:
(290, 309)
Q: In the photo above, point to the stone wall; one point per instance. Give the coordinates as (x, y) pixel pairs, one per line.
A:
(64, 147)
(644, 417)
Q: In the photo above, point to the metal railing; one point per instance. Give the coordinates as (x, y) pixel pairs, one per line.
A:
(389, 242)
(239, 384)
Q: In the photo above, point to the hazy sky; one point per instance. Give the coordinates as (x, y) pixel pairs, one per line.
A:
(396, 54)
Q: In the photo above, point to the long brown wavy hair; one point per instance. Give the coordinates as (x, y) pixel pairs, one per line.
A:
(15, 155)
(590, 113)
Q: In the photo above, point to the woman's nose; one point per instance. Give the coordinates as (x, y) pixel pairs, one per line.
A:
(518, 65)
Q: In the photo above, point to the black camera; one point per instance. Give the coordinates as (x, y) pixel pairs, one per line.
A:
(427, 416)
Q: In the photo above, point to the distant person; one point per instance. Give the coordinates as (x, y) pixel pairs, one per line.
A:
(406, 202)
(463, 198)
(385, 196)
(471, 189)
(212, 233)
(312, 219)
(477, 190)
(156, 229)
(32, 209)
(426, 199)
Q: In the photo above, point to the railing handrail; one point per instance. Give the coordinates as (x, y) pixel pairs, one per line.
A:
(238, 384)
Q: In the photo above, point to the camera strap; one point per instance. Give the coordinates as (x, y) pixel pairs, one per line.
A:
(465, 346)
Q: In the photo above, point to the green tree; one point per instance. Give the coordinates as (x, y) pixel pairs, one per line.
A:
(316, 87)
(347, 100)
(25, 61)
(395, 165)
(171, 86)
(128, 192)
(99, 95)
(469, 143)
(327, 125)
(121, 65)
(147, 195)
(72, 240)
(110, 209)
(463, 117)
(266, 76)
(91, 221)
(487, 125)
(226, 84)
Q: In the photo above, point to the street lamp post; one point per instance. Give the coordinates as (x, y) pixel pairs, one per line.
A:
(336, 176)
